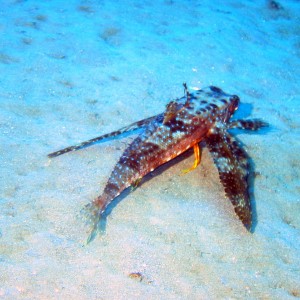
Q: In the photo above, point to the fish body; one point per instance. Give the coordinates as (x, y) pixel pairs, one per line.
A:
(200, 116)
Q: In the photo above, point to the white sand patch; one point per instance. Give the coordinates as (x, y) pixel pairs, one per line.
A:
(72, 70)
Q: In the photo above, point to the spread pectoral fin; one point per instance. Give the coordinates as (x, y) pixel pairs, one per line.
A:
(232, 163)
(252, 124)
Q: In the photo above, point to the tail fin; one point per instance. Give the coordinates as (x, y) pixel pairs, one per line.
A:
(92, 214)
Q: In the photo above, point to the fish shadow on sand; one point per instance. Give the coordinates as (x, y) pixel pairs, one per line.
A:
(180, 158)
(161, 169)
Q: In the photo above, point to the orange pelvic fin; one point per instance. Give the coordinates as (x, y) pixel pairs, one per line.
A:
(197, 153)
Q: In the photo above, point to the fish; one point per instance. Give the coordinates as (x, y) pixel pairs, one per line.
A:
(202, 116)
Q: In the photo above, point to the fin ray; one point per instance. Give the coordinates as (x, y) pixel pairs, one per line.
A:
(197, 153)
(131, 127)
(233, 166)
(251, 124)
(92, 214)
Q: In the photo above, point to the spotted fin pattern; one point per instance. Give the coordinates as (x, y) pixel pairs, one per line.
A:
(232, 163)
(253, 124)
(129, 128)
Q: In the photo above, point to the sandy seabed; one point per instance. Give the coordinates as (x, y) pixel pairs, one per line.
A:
(73, 70)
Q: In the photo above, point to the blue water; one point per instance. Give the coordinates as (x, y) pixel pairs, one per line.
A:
(73, 70)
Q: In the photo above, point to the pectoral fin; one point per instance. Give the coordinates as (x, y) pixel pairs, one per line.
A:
(252, 124)
(232, 163)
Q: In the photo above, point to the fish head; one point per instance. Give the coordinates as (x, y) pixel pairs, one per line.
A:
(196, 113)
(214, 104)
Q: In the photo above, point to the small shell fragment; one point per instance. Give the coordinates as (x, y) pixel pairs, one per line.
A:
(136, 276)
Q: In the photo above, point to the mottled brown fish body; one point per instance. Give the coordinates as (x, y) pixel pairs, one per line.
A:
(144, 155)
(180, 129)
(200, 116)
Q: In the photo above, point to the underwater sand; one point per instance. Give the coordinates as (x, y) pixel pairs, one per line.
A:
(73, 70)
